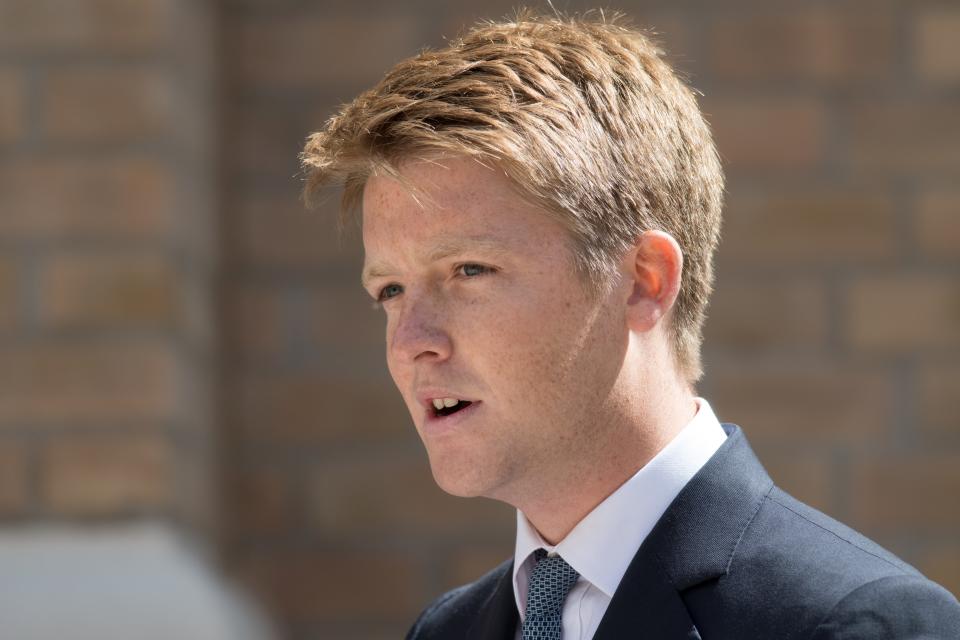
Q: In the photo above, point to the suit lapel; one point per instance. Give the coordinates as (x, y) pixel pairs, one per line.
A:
(498, 617)
(647, 605)
(693, 542)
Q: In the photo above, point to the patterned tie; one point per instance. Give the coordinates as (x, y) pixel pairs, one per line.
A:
(551, 580)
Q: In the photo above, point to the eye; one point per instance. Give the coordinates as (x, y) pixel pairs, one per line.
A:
(389, 291)
(472, 270)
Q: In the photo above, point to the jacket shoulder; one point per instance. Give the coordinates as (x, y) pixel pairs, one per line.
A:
(866, 558)
(896, 607)
(453, 613)
(795, 570)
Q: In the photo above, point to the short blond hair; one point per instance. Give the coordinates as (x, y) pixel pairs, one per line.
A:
(585, 117)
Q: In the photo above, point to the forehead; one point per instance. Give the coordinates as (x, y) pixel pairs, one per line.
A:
(444, 189)
(455, 196)
(438, 207)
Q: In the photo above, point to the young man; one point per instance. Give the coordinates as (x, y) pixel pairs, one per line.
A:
(541, 203)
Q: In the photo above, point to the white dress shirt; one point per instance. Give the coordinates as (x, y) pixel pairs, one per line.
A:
(602, 545)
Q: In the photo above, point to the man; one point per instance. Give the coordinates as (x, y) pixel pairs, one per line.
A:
(541, 203)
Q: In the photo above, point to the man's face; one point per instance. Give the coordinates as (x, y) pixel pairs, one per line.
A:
(483, 305)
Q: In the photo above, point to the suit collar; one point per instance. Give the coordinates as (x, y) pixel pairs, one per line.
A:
(601, 546)
(694, 541)
(697, 536)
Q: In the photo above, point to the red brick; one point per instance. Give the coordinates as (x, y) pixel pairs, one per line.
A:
(460, 16)
(670, 28)
(90, 290)
(82, 385)
(767, 135)
(261, 502)
(300, 50)
(342, 315)
(333, 322)
(906, 492)
(254, 326)
(264, 141)
(938, 223)
(13, 478)
(805, 405)
(902, 313)
(12, 108)
(89, 25)
(108, 104)
(130, 198)
(397, 494)
(808, 226)
(195, 303)
(820, 44)
(9, 303)
(806, 476)
(787, 313)
(99, 475)
(939, 399)
(941, 563)
(905, 138)
(280, 232)
(936, 32)
(310, 585)
(197, 488)
(307, 408)
(672, 31)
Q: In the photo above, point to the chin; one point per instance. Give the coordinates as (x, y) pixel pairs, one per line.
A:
(458, 479)
(456, 485)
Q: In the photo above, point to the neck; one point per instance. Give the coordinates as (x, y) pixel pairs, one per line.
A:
(563, 501)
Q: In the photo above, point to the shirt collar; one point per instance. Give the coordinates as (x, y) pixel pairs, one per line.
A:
(601, 546)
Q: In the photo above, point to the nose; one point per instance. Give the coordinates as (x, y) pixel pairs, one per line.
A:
(419, 332)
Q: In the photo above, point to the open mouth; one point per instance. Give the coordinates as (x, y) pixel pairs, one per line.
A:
(447, 411)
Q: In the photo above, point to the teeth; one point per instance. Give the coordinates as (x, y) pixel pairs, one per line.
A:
(440, 403)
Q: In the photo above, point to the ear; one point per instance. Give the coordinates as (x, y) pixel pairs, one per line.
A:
(654, 267)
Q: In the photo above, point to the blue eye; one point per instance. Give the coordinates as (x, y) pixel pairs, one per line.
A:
(388, 292)
(472, 270)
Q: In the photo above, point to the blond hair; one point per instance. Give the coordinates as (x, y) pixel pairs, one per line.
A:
(584, 116)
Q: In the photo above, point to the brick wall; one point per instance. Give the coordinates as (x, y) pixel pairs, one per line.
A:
(833, 338)
(835, 332)
(336, 519)
(106, 231)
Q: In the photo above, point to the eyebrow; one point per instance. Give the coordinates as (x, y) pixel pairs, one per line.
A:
(444, 249)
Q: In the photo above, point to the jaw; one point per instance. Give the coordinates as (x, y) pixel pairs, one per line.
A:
(467, 468)
(456, 475)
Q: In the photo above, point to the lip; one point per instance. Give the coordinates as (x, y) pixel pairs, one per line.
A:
(425, 396)
(435, 424)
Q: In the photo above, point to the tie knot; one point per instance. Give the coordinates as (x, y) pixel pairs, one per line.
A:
(551, 580)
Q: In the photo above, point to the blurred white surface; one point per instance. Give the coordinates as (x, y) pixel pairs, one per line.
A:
(118, 582)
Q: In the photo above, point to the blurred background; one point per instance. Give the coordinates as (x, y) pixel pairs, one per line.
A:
(198, 434)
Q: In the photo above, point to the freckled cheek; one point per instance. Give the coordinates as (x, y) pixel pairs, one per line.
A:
(524, 350)
(398, 372)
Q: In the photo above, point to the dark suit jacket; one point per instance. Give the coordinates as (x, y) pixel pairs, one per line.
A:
(733, 558)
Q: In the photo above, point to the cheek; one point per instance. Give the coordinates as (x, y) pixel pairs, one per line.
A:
(562, 359)
(528, 348)
(393, 361)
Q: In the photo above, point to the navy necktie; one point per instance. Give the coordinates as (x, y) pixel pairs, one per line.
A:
(551, 580)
